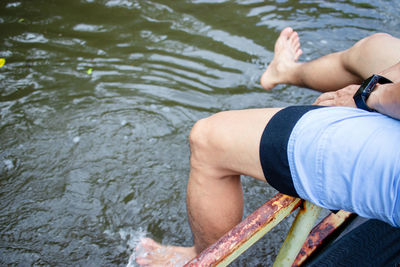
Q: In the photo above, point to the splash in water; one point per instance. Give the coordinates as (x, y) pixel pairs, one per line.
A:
(133, 239)
(151, 253)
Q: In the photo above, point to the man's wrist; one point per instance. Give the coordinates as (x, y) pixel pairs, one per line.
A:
(363, 94)
(373, 99)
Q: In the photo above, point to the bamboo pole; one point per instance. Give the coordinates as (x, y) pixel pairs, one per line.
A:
(298, 233)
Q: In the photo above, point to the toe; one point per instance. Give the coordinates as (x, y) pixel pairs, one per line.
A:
(286, 32)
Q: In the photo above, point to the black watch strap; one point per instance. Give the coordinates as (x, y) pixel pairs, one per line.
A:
(362, 94)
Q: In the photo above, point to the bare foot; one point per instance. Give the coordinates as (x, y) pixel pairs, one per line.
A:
(287, 51)
(151, 253)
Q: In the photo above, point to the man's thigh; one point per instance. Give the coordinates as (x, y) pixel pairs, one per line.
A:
(232, 141)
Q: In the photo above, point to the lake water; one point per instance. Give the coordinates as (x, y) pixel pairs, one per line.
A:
(97, 98)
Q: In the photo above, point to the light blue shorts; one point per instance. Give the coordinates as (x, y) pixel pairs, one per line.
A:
(347, 158)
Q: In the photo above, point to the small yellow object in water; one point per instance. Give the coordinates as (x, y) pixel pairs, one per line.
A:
(21, 20)
(89, 71)
(2, 62)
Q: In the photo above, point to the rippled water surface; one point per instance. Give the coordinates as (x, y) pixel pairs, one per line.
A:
(97, 98)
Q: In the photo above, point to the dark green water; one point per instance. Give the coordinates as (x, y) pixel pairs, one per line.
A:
(97, 98)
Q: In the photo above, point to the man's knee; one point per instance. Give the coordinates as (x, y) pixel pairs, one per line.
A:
(198, 141)
(372, 54)
(204, 143)
(371, 43)
(379, 37)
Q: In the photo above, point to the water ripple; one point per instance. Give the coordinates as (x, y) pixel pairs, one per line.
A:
(30, 37)
(97, 99)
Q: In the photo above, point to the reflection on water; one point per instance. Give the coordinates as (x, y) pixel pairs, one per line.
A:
(97, 99)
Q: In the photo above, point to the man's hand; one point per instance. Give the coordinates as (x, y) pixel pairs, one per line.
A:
(342, 97)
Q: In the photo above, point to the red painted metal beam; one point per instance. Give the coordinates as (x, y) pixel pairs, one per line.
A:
(318, 236)
(253, 227)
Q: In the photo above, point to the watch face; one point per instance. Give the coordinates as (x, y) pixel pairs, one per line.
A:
(360, 97)
(369, 85)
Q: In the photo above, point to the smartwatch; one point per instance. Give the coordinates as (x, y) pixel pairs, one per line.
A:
(362, 94)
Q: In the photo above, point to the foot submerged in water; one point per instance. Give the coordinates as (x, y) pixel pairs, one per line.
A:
(151, 253)
(286, 53)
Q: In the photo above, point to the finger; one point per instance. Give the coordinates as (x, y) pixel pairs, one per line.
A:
(325, 103)
(328, 95)
(318, 101)
(325, 97)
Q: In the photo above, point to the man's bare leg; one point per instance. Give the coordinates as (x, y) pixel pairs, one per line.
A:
(223, 146)
(151, 253)
(286, 53)
(370, 55)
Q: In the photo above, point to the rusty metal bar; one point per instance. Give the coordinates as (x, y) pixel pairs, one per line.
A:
(319, 234)
(245, 234)
(301, 227)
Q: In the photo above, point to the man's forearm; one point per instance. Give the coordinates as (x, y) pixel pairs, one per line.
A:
(392, 73)
(386, 99)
